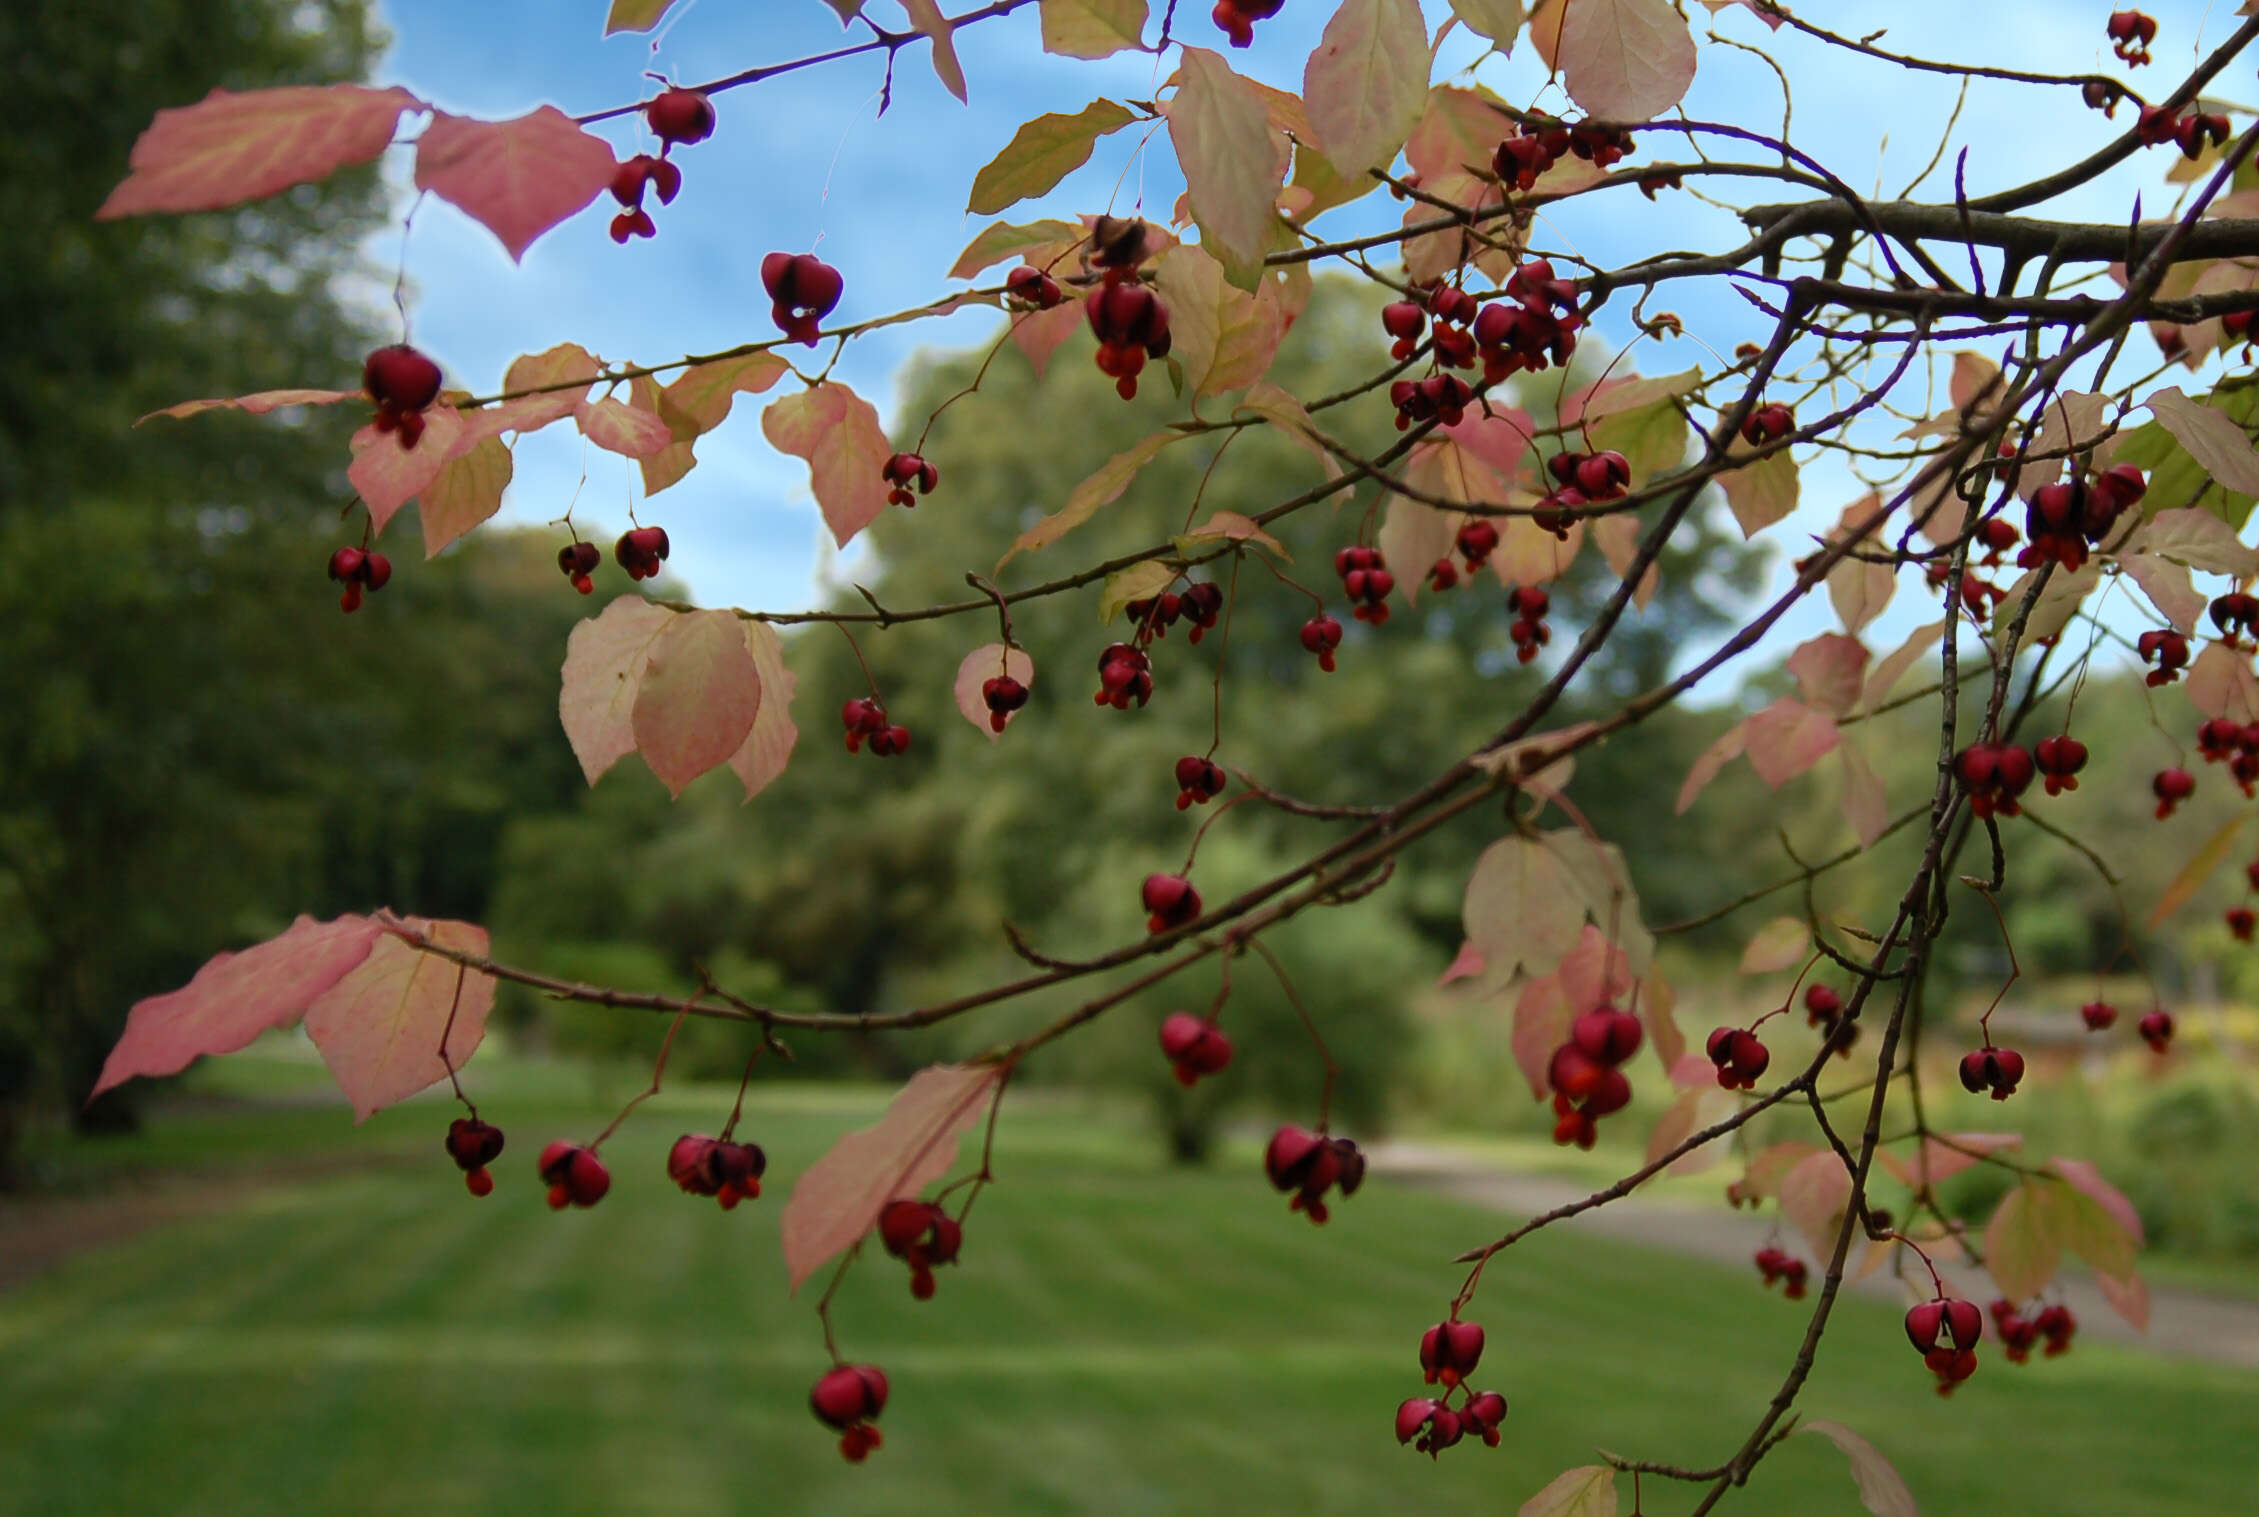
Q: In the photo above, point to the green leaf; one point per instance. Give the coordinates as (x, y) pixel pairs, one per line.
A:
(635, 15)
(1587, 1491)
(1001, 240)
(2024, 1240)
(1497, 20)
(1043, 152)
(2176, 479)
(1092, 28)
(1137, 582)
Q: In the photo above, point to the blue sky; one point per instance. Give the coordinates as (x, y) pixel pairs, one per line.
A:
(802, 160)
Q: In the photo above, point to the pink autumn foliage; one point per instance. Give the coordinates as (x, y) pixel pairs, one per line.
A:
(838, 1198)
(372, 1003)
(516, 178)
(230, 148)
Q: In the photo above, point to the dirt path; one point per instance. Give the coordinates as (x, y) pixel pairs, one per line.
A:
(2184, 1323)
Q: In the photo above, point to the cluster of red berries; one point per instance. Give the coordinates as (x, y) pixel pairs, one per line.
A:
(1365, 579)
(1454, 311)
(866, 720)
(628, 181)
(2156, 1029)
(1945, 1332)
(1586, 1073)
(1125, 674)
(403, 383)
(1029, 288)
(358, 570)
(1321, 634)
(473, 1145)
(1534, 327)
(1131, 325)
(1237, 18)
(1439, 397)
(1201, 603)
(802, 291)
(1740, 1057)
(2165, 648)
(904, 470)
(1994, 775)
(1998, 1070)
(1002, 695)
(1449, 1352)
(1768, 423)
(1307, 1164)
(729, 1172)
(675, 116)
(1543, 140)
(578, 562)
(2191, 133)
(2130, 34)
(2236, 744)
(922, 1235)
(640, 551)
(1170, 901)
(849, 1398)
(574, 1175)
(2065, 519)
(1199, 781)
(1824, 1009)
(1778, 1264)
(1194, 1046)
(1528, 629)
(1579, 480)
(2018, 1333)
(2171, 787)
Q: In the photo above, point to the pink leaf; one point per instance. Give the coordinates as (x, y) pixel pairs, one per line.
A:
(379, 1027)
(702, 394)
(1500, 439)
(466, 491)
(1038, 334)
(1367, 82)
(1770, 1166)
(388, 475)
(1813, 1197)
(1230, 526)
(926, 17)
(1898, 661)
(1771, 19)
(838, 433)
(1881, 1490)
(1522, 908)
(2088, 1181)
(1622, 60)
(1541, 1025)
(2220, 684)
(2212, 437)
(1730, 745)
(1940, 1159)
(1222, 133)
(230, 148)
(2197, 538)
(838, 1198)
(1529, 555)
(1866, 805)
(259, 404)
(2168, 587)
(618, 427)
(516, 178)
(1415, 534)
(1828, 670)
(604, 660)
(698, 697)
(2128, 1297)
(1787, 738)
(237, 996)
(983, 664)
(1657, 1003)
(1689, 1112)
(1692, 1071)
(1458, 129)
(1780, 944)
(1618, 537)
(1466, 964)
(1594, 972)
(768, 747)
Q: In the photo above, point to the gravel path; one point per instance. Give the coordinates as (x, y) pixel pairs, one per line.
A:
(2183, 1323)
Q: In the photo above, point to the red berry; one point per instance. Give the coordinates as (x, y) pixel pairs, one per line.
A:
(1739, 1055)
(1321, 635)
(473, 1144)
(2156, 1029)
(850, 1394)
(1031, 287)
(1170, 901)
(1607, 1035)
(574, 1175)
(680, 116)
(2171, 787)
(1449, 1352)
(2098, 1015)
(1194, 1045)
(802, 291)
(1309, 1164)
(1821, 1004)
(400, 379)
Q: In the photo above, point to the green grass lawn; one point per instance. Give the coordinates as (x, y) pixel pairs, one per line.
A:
(1119, 1339)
